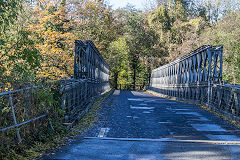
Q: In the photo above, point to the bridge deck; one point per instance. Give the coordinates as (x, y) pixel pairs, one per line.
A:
(136, 125)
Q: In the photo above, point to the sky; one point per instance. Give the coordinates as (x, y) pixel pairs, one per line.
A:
(139, 4)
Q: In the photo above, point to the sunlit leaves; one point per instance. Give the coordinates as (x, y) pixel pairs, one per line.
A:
(54, 29)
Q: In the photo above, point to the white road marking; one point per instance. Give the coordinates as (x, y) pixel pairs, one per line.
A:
(134, 107)
(143, 104)
(223, 137)
(190, 113)
(131, 139)
(146, 112)
(135, 99)
(208, 127)
(168, 140)
(103, 132)
(116, 92)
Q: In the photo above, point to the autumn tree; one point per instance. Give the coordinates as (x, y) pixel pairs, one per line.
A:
(94, 21)
(19, 58)
(54, 30)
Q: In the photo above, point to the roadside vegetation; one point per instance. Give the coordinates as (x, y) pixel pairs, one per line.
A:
(37, 37)
(37, 49)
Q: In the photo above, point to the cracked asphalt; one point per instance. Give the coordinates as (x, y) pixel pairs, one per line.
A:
(135, 125)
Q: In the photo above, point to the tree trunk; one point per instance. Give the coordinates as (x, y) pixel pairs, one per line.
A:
(134, 78)
(115, 80)
(149, 74)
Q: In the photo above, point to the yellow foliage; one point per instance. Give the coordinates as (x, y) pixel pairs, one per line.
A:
(57, 43)
(196, 22)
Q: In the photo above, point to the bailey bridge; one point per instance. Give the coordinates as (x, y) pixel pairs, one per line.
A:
(182, 114)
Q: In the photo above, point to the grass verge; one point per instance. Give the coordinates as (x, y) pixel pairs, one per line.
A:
(38, 149)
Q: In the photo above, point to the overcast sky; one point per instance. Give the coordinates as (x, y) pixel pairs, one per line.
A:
(139, 4)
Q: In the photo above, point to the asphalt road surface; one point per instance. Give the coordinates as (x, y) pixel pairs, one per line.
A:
(137, 126)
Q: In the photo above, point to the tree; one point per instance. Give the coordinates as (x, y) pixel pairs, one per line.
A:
(226, 32)
(94, 21)
(217, 9)
(54, 30)
(118, 61)
(19, 58)
(141, 40)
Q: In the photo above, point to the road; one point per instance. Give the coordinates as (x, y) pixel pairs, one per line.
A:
(137, 126)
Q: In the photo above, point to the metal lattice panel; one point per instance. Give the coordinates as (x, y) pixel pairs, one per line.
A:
(89, 63)
(198, 77)
(202, 65)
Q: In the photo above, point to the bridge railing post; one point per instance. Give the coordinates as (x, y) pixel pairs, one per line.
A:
(14, 117)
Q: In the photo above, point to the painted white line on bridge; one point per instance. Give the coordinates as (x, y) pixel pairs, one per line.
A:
(135, 99)
(146, 112)
(135, 107)
(143, 104)
(167, 140)
(208, 127)
(103, 132)
(130, 139)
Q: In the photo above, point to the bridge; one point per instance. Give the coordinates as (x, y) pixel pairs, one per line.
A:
(166, 122)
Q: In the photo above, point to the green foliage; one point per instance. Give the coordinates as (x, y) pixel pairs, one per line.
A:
(160, 18)
(118, 61)
(45, 97)
(226, 32)
(19, 57)
(8, 13)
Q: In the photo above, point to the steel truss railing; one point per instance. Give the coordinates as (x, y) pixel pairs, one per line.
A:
(91, 78)
(89, 63)
(198, 77)
(203, 64)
